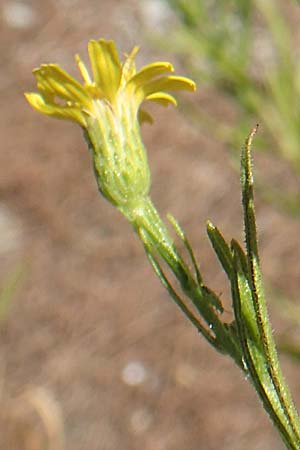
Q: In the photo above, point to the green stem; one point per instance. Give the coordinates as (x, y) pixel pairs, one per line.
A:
(156, 238)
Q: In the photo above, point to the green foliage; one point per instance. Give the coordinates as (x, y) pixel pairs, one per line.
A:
(248, 339)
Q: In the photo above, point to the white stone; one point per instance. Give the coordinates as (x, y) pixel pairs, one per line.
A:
(18, 15)
(134, 373)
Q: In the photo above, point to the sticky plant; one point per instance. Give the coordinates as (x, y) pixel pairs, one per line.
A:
(108, 109)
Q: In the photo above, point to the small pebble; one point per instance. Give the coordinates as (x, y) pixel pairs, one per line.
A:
(18, 15)
(155, 13)
(134, 373)
(10, 231)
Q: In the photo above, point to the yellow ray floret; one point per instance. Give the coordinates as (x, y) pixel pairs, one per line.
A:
(115, 85)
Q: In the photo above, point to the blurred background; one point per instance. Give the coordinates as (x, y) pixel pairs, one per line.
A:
(93, 354)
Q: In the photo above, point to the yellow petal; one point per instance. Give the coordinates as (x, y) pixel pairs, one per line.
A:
(128, 68)
(144, 117)
(68, 113)
(106, 66)
(56, 81)
(169, 83)
(163, 98)
(95, 91)
(83, 70)
(150, 71)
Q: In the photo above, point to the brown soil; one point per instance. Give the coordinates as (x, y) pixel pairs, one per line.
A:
(92, 342)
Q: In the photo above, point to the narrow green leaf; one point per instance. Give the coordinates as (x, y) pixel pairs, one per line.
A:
(187, 245)
(243, 259)
(179, 302)
(258, 297)
(209, 295)
(221, 248)
(248, 316)
(253, 356)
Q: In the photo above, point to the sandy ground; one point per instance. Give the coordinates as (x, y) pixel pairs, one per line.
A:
(92, 343)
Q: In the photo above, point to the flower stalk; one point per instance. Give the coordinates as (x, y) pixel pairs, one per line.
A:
(108, 108)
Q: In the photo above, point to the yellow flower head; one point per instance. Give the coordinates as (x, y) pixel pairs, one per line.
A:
(108, 108)
(114, 84)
